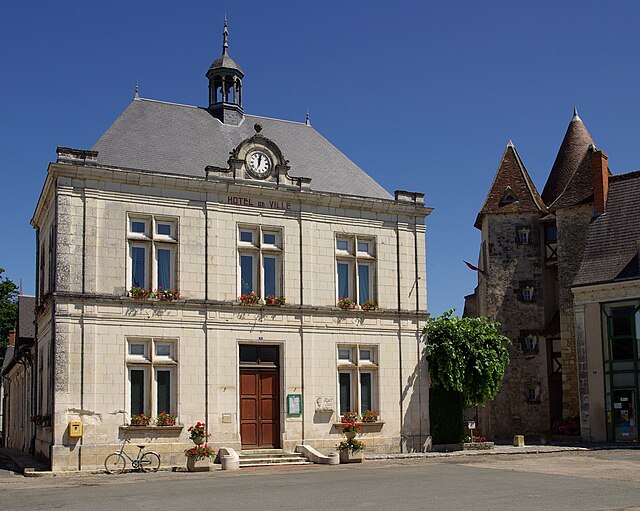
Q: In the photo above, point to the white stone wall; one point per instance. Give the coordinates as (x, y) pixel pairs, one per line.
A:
(94, 317)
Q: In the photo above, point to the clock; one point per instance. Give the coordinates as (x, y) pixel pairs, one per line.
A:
(259, 164)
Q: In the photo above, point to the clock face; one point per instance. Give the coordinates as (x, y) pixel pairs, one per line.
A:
(259, 163)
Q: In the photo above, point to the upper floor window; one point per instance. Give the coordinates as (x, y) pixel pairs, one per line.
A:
(527, 293)
(523, 236)
(260, 261)
(355, 268)
(152, 252)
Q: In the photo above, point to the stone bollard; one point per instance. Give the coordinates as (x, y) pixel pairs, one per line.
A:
(230, 462)
(334, 458)
(518, 441)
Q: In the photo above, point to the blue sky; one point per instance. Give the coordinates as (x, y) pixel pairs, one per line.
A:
(422, 95)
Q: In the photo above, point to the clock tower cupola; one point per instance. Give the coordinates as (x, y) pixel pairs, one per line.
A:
(225, 85)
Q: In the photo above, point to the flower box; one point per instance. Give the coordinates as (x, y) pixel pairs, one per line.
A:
(369, 305)
(346, 304)
(167, 295)
(250, 298)
(275, 300)
(347, 456)
(140, 420)
(198, 465)
(165, 419)
(140, 293)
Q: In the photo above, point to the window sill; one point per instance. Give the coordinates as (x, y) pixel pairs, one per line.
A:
(365, 425)
(169, 429)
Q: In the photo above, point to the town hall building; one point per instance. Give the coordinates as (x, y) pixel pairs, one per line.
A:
(226, 268)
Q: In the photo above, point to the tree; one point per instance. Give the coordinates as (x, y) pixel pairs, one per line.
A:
(8, 311)
(466, 355)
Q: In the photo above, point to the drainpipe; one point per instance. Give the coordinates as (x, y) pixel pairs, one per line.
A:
(399, 297)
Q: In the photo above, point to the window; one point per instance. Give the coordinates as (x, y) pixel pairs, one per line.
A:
(523, 236)
(620, 325)
(260, 261)
(357, 372)
(152, 253)
(151, 368)
(533, 394)
(527, 293)
(355, 270)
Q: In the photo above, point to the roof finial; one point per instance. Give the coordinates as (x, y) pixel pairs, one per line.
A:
(576, 117)
(307, 119)
(510, 143)
(136, 95)
(225, 37)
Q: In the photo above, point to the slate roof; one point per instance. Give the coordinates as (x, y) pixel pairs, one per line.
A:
(226, 62)
(179, 139)
(572, 151)
(512, 178)
(613, 239)
(26, 317)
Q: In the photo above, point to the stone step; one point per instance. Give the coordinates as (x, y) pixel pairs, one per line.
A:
(290, 464)
(271, 458)
(268, 454)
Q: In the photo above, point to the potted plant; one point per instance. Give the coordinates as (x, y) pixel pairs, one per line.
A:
(166, 419)
(369, 305)
(350, 429)
(351, 450)
(140, 420)
(346, 303)
(198, 433)
(140, 293)
(370, 416)
(199, 458)
(167, 295)
(275, 300)
(250, 298)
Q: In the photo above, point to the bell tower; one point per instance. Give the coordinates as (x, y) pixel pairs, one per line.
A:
(225, 85)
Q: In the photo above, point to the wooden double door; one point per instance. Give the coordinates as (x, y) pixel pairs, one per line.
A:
(259, 408)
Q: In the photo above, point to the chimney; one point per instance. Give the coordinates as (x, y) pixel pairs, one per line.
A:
(12, 337)
(600, 173)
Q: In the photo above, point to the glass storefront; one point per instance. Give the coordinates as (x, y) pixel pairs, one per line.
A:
(621, 325)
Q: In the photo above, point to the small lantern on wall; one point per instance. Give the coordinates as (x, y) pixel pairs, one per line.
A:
(523, 236)
(527, 293)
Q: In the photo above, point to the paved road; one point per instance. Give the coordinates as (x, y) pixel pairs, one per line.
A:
(565, 481)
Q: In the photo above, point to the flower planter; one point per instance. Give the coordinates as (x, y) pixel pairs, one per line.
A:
(196, 465)
(348, 456)
(198, 441)
(350, 435)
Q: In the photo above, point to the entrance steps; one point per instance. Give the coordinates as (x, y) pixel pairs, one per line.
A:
(271, 457)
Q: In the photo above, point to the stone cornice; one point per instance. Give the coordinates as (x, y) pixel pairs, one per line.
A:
(201, 184)
(234, 307)
(608, 291)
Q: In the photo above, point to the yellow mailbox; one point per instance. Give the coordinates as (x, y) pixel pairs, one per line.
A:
(75, 429)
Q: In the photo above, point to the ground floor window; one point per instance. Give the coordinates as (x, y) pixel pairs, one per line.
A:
(151, 369)
(621, 339)
(357, 375)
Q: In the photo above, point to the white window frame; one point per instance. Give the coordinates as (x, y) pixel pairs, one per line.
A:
(356, 366)
(354, 258)
(259, 250)
(151, 363)
(151, 241)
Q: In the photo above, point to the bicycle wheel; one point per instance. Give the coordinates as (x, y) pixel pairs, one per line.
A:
(150, 462)
(115, 463)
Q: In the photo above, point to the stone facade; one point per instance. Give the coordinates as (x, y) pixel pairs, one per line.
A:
(541, 383)
(105, 349)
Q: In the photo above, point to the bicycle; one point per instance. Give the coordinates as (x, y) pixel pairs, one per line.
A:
(145, 461)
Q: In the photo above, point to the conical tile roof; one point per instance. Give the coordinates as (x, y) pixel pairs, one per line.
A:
(512, 190)
(572, 152)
